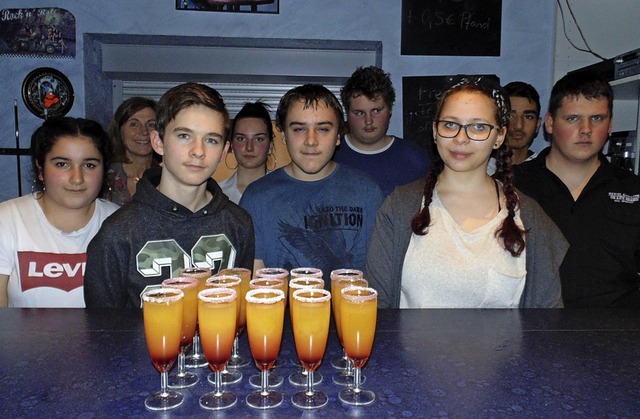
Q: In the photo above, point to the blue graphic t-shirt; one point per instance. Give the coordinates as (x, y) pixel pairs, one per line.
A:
(324, 224)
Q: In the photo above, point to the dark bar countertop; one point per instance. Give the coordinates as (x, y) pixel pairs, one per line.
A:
(425, 363)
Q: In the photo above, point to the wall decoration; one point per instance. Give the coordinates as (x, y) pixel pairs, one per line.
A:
(247, 6)
(451, 27)
(47, 92)
(48, 32)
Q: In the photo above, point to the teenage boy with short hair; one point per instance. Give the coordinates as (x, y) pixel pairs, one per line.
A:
(368, 97)
(524, 120)
(179, 216)
(595, 205)
(312, 212)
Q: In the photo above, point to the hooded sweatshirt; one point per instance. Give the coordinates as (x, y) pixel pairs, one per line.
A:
(152, 238)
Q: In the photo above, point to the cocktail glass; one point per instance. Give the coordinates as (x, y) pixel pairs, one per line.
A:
(300, 378)
(310, 316)
(265, 317)
(196, 358)
(359, 311)
(268, 283)
(189, 286)
(163, 309)
(234, 282)
(217, 310)
(237, 360)
(345, 376)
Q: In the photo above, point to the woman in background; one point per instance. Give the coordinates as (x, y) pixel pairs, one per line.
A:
(45, 235)
(129, 132)
(251, 144)
(462, 238)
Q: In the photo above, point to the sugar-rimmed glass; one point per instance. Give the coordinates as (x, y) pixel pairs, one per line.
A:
(300, 378)
(265, 318)
(196, 358)
(234, 282)
(163, 309)
(359, 308)
(189, 286)
(237, 360)
(310, 317)
(217, 310)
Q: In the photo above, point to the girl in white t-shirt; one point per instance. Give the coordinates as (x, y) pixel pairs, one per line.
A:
(45, 234)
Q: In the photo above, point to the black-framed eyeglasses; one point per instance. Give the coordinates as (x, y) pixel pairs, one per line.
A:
(476, 131)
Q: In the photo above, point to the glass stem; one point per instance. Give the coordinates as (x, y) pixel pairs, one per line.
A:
(181, 366)
(218, 382)
(196, 345)
(349, 369)
(356, 379)
(309, 391)
(264, 382)
(164, 383)
(234, 349)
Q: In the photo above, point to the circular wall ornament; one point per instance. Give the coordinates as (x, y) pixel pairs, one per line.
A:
(47, 92)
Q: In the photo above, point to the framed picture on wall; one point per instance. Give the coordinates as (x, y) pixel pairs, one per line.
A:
(238, 6)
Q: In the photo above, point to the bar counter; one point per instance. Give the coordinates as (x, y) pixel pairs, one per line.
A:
(425, 363)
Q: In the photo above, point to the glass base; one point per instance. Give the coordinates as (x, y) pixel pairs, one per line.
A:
(357, 397)
(183, 380)
(344, 379)
(228, 377)
(218, 401)
(273, 381)
(195, 361)
(238, 361)
(304, 400)
(300, 378)
(159, 401)
(268, 400)
(340, 363)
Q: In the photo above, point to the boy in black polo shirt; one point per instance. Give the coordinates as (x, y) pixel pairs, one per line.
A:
(595, 204)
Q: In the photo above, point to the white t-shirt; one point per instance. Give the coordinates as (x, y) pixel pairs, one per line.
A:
(452, 268)
(230, 188)
(45, 265)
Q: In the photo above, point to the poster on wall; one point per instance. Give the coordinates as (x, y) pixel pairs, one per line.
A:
(44, 32)
(451, 27)
(246, 6)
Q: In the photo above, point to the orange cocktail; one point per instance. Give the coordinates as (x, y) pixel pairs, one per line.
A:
(311, 312)
(245, 277)
(217, 311)
(163, 309)
(265, 317)
(336, 287)
(195, 359)
(359, 308)
(276, 273)
(189, 287)
(359, 311)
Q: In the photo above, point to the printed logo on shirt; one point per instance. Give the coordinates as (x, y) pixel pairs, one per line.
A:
(340, 216)
(214, 252)
(623, 198)
(41, 269)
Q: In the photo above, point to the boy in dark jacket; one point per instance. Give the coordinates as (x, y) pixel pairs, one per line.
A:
(179, 216)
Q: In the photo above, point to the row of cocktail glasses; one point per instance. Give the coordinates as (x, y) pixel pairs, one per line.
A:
(211, 312)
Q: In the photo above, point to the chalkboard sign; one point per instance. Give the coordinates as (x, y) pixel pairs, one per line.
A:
(451, 27)
(420, 96)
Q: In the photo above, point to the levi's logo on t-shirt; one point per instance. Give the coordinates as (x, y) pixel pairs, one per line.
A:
(56, 270)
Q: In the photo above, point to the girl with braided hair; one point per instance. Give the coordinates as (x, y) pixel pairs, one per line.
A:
(461, 238)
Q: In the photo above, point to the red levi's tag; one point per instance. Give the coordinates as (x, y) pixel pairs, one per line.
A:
(55, 270)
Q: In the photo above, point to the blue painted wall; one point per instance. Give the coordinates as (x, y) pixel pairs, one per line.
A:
(528, 29)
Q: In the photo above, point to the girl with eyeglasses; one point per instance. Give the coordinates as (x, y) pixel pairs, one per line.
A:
(462, 238)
